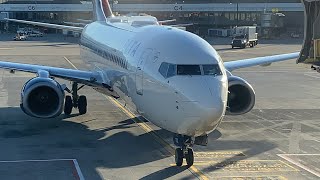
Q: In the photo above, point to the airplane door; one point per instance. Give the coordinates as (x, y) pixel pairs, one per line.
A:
(140, 69)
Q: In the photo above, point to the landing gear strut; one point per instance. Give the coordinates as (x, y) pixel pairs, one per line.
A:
(184, 149)
(75, 101)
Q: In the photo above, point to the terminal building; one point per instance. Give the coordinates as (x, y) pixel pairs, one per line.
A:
(204, 14)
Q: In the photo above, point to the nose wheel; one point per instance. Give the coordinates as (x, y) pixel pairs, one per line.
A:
(184, 150)
(75, 101)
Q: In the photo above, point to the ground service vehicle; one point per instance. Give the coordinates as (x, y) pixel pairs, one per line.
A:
(20, 37)
(244, 36)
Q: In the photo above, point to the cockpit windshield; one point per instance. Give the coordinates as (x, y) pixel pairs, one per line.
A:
(188, 70)
(169, 70)
(213, 70)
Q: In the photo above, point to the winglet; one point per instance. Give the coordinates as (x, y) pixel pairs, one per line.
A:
(101, 10)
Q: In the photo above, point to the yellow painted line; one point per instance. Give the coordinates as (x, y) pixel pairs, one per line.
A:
(70, 62)
(147, 128)
(290, 166)
(251, 177)
(199, 173)
(216, 154)
(300, 165)
(199, 163)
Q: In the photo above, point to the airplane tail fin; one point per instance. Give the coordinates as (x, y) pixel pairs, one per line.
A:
(101, 10)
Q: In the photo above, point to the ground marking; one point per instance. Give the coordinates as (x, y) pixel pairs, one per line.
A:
(252, 177)
(318, 77)
(70, 62)
(147, 128)
(6, 48)
(74, 163)
(285, 156)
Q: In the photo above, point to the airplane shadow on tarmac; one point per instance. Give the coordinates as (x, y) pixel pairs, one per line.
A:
(110, 147)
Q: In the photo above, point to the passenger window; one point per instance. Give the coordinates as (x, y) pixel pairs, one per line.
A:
(188, 70)
(213, 70)
(164, 69)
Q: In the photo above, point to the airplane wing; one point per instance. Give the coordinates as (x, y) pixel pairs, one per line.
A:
(75, 23)
(83, 77)
(167, 21)
(233, 65)
(182, 25)
(48, 25)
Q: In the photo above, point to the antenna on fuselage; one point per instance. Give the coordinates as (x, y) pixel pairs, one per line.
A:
(101, 10)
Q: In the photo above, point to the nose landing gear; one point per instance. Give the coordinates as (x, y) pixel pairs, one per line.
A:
(184, 149)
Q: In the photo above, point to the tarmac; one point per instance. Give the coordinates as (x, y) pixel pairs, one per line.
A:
(279, 139)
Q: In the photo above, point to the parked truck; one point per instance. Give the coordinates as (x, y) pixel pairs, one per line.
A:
(244, 36)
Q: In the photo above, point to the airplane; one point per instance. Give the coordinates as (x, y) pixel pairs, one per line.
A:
(173, 78)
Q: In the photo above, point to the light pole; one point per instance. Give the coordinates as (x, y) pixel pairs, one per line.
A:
(237, 15)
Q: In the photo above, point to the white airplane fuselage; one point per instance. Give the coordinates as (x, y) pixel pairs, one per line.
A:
(183, 104)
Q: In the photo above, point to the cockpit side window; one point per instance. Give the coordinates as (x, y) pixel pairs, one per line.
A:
(164, 69)
(188, 70)
(212, 70)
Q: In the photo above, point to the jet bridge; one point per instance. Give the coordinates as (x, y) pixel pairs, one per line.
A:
(310, 52)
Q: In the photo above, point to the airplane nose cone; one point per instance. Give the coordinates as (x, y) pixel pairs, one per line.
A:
(216, 103)
(204, 111)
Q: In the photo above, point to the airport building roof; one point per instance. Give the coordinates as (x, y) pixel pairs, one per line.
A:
(146, 1)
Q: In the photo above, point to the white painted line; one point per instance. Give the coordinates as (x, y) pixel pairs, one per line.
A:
(299, 154)
(76, 165)
(70, 62)
(39, 160)
(318, 77)
(74, 161)
(6, 48)
(284, 156)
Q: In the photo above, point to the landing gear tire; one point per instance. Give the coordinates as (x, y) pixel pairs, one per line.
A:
(82, 105)
(68, 105)
(189, 157)
(179, 157)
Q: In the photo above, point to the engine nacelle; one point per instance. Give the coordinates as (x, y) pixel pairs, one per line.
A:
(42, 98)
(241, 97)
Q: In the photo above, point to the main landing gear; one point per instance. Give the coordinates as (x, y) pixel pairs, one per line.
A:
(75, 101)
(184, 149)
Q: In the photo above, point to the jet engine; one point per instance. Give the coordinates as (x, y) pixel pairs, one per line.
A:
(241, 97)
(42, 98)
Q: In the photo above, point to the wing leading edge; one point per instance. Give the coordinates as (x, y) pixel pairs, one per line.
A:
(84, 77)
(233, 65)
